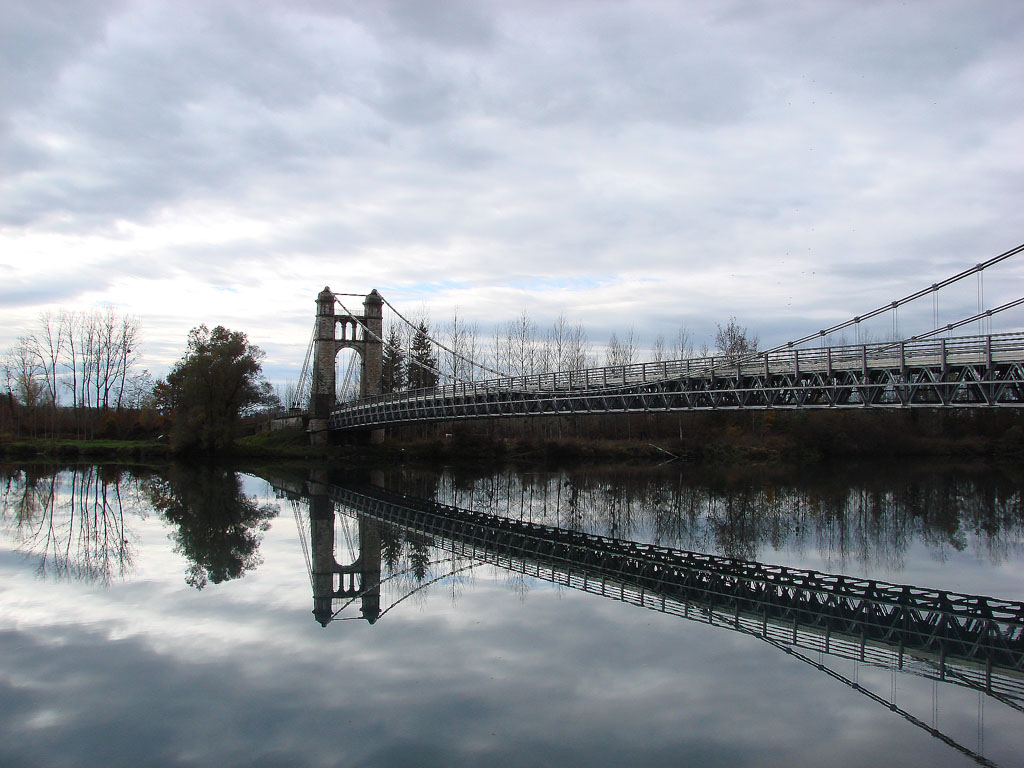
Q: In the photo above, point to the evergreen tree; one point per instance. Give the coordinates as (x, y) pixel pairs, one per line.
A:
(419, 555)
(422, 360)
(393, 374)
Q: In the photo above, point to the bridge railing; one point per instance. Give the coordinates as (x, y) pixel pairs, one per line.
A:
(795, 362)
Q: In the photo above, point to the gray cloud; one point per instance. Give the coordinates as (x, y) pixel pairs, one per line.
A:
(727, 146)
(40, 39)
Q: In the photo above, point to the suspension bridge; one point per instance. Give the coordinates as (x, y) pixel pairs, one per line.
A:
(941, 367)
(970, 641)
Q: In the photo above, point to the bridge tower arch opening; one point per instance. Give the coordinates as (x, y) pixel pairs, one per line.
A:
(336, 332)
(348, 375)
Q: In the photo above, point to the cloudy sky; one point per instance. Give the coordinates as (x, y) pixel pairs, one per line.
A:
(644, 164)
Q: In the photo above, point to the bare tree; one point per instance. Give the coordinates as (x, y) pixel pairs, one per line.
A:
(452, 364)
(734, 340)
(23, 373)
(499, 350)
(546, 357)
(558, 344)
(658, 353)
(613, 351)
(72, 349)
(516, 349)
(522, 345)
(127, 342)
(90, 354)
(48, 342)
(684, 343)
(101, 348)
(473, 352)
(7, 393)
(288, 394)
(682, 348)
(137, 392)
(578, 355)
(622, 352)
(88, 332)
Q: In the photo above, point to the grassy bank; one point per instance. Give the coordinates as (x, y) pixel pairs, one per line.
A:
(715, 437)
(463, 448)
(72, 449)
(718, 437)
(731, 436)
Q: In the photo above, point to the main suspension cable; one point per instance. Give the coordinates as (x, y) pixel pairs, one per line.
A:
(366, 330)
(442, 346)
(968, 320)
(855, 321)
(935, 287)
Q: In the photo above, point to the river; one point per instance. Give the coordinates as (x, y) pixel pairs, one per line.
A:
(603, 616)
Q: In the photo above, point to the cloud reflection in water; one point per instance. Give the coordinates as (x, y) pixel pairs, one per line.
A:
(152, 672)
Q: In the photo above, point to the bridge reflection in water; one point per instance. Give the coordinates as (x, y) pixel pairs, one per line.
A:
(971, 641)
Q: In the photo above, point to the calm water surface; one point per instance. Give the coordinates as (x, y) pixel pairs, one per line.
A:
(175, 618)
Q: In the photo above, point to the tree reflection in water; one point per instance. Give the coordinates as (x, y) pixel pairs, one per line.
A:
(219, 527)
(76, 520)
(847, 515)
(73, 521)
(411, 559)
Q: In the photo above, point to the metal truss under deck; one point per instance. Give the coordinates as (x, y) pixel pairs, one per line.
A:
(977, 371)
(979, 640)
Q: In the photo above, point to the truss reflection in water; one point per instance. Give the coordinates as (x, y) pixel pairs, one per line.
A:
(970, 641)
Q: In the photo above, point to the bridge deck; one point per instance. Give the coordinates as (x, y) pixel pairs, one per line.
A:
(983, 371)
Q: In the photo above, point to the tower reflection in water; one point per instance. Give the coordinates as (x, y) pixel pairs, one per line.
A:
(332, 581)
(970, 641)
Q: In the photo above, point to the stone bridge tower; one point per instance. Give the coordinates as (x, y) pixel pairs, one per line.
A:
(337, 332)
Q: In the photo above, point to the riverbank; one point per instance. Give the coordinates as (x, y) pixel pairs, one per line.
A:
(462, 448)
(715, 437)
(729, 446)
(94, 450)
(734, 436)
